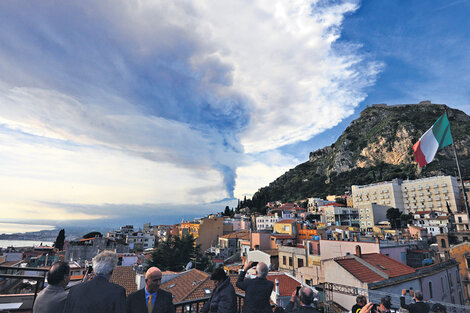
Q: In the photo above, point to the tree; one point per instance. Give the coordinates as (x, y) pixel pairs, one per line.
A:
(393, 216)
(59, 241)
(175, 253)
(227, 211)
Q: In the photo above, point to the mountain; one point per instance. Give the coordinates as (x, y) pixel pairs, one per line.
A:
(375, 147)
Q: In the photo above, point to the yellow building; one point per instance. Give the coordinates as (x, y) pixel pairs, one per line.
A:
(285, 227)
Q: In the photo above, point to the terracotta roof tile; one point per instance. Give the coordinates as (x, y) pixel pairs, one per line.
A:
(390, 266)
(381, 262)
(242, 234)
(183, 285)
(359, 271)
(125, 277)
(287, 284)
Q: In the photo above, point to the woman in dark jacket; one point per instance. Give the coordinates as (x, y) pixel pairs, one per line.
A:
(223, 299)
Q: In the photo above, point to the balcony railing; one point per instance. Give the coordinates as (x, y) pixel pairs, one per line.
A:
(195, 306)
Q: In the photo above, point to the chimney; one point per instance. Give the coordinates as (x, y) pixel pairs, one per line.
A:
(358, 251)
(277, 287)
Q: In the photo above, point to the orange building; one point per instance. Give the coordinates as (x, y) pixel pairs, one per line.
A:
(304, 233)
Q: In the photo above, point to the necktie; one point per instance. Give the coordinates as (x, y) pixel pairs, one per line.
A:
(150, 305)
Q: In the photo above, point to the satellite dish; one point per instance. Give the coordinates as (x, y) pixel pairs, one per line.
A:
(189, 265)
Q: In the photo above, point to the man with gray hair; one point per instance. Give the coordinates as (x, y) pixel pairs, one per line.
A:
(305, 298)
(257, 290)
(98, 295)
(419, 306)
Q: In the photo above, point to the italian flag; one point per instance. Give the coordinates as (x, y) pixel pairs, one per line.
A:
(436, 138)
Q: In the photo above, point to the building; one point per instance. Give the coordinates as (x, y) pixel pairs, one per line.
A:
(85, 249)
(431, 193)
(435, 222)
(287, 227)
(266, 222)
(339, 215)
(385, 193)
(370, 214)
(376, 274)
(140, 241)
(208, 231)
(461, 253)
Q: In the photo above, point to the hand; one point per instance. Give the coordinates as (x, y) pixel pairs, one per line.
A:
(366, 308)
(294, 295)
(248, 266)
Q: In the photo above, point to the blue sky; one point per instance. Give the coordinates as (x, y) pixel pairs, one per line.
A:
(116, 112)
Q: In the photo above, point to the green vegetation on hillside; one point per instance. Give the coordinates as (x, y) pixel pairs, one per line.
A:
(332, 170)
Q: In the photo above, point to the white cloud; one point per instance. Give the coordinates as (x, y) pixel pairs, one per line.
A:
(261, 169)
(131, 102)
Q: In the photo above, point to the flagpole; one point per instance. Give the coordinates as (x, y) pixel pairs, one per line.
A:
(460, 174)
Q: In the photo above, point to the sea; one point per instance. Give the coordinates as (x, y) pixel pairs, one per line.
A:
(13, 228)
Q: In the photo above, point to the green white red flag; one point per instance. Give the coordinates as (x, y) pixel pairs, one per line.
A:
(436, 138)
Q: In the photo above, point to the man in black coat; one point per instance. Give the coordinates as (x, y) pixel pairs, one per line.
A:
(98, 295)
(257, 290)
(151, 299)
(306, 299)
(223, 299)
(418, 307)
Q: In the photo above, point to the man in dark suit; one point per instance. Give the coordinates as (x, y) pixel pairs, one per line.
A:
(52, 298)
(418, 307)
(98, 295)
(257, 290)
(305, 297)
(151, 299)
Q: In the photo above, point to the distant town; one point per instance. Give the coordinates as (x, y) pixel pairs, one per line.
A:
(376, 239)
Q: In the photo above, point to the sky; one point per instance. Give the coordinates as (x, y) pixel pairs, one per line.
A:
(126, 112)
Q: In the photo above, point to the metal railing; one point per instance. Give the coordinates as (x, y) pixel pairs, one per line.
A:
(195, 306)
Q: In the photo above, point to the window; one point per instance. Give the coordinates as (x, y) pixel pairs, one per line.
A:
(460, 219)
(443, 243)
(290, 261)
(430, 290)
(468, 261)
(300, 262)
(284, 260)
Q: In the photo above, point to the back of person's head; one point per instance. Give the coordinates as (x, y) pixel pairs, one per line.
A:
(386, 302)
(419, 295)
(262, 270)
(105, 262)
(219, 274)
(306, 295)
(438, 308)
(279, 309)
(57, 273)
(361, 299)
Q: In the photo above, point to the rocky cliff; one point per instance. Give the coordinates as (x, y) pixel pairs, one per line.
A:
(375, 147)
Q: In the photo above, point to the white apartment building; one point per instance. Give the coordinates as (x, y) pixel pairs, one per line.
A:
(140, 239)
(266, 222)
(431, 193)
(384, 193)
(435, 222)
(340, 215)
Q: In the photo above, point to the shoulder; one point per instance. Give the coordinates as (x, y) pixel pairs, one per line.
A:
(137, 293)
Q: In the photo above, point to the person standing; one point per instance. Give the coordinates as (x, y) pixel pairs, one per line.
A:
(52, 298)
(223, 299)
(418, 307)
(306, 299)
(98, 295)
(257, 290)
(360, 302)
(151, 298)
